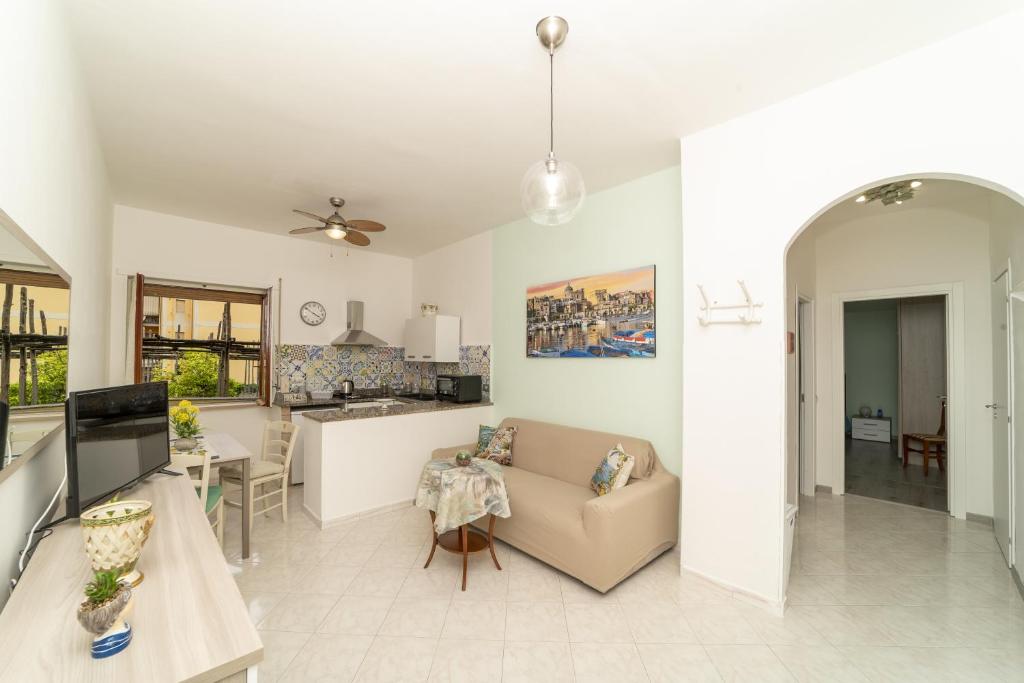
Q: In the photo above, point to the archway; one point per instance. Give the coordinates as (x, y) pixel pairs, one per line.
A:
(946, 252)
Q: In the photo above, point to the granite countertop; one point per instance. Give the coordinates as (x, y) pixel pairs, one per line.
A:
(400, 407)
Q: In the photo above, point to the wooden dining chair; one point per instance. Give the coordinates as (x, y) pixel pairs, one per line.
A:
(271, 469)
(211, 498)
(930, 444)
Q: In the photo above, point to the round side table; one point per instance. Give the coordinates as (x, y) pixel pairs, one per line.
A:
(463, 541)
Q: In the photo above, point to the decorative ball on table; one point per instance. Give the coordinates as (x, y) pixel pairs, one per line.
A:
(185, 422)
(463, 458)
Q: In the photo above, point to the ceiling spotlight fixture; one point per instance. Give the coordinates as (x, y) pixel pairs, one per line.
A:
(890, 193)
(552, 190)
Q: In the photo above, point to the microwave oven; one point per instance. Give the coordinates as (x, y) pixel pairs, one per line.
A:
(459, 388)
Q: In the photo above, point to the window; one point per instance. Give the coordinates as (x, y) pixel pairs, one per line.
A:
(204, 342)
(33, 338)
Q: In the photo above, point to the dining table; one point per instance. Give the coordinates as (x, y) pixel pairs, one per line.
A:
(227, 450)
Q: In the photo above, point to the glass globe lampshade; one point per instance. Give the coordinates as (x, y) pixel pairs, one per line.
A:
(552, 191)
(335, 233)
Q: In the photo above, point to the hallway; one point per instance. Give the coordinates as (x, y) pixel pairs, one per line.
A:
(889, 584)
(874, 470)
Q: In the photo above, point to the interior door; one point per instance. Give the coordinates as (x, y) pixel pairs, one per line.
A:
(999, 407)
(805, 389)
(922, 353)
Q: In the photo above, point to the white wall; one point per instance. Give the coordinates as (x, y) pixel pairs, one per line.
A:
(749, 186)
(171, 247)
(458, 279)
(905, 248)
(53, 193)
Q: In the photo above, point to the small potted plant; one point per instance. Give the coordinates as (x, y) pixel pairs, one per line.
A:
(108, 602)
(185, 421)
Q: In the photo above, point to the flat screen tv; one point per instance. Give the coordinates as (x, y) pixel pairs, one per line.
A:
(116, 437)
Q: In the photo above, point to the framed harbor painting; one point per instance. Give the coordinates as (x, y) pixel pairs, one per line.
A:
(599, 316)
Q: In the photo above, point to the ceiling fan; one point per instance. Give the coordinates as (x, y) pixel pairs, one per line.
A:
(338, 228)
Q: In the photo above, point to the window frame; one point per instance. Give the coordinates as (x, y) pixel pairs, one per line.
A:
(202, 292)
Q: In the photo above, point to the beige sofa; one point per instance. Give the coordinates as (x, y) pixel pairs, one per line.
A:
(557, 517)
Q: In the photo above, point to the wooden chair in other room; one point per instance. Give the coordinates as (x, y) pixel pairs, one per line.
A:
(211, 498)
(272, 468)
(930, 444)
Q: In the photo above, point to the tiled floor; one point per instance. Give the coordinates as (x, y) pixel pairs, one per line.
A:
(879, 592)
(874, 470)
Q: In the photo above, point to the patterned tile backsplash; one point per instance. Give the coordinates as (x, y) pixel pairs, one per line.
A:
(373, 367)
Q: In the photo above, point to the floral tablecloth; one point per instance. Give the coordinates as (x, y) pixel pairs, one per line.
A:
(458, 495)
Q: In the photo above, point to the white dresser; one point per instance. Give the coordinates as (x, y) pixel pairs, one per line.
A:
(872, 428)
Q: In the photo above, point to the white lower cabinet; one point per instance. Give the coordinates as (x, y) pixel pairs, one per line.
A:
(872, 429)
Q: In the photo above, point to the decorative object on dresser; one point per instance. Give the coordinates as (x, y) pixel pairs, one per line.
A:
(108, 603)
(185, 422)
(456, 496)
(611, 315)
(930, 444)
(313, 313)
(114, 534)
(871, 428)
(427, 310)
(600, 540)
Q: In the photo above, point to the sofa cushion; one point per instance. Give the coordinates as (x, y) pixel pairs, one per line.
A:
(484, 436)
(499, 449)
(570, 454)
(613, 472)
(546, 507)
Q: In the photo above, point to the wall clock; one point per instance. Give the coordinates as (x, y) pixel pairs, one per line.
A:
(313, 313)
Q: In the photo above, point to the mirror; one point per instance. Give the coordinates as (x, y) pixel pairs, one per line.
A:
(34, 313)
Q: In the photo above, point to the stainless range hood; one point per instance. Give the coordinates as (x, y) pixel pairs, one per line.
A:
(354, 334)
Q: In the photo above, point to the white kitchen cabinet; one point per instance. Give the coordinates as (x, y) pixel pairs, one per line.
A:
(432, 339)
(872, 428)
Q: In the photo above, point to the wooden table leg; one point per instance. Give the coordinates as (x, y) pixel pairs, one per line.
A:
(490, 542)
(464, 531)
(246, 507)
(433, 533)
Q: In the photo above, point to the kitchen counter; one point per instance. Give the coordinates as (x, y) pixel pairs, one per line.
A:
(400, 407)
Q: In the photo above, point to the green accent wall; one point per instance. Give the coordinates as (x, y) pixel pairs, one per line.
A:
(630, 225)
(872, 367)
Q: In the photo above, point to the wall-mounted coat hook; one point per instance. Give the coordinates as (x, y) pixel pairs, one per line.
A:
(749, 316)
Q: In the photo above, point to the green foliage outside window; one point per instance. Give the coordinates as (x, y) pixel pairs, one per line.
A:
(52, 367)
(196, 376)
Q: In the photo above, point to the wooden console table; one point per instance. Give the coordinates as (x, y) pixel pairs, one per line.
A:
(189, 622)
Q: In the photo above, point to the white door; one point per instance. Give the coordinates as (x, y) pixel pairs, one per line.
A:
(1001, 444)
(805, 387)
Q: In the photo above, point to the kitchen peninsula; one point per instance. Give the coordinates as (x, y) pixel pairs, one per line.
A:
(367, 458)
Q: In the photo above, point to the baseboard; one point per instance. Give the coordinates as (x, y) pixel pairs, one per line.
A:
(821, 488)
(980, 519)
(1017, 582)
(743, 595)
(336, 521)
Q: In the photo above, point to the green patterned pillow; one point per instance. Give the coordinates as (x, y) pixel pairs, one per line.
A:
(613, 472)
(484, 437)
(500, 448)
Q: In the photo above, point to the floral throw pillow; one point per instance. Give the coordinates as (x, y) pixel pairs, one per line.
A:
(613, 472)
(484, 437)
(500, 447)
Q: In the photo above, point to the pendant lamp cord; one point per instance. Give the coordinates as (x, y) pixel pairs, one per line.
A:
(551, 99)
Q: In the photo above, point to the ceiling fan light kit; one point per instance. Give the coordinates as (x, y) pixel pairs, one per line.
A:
(890, 193)
(338, 228)
(552, 189)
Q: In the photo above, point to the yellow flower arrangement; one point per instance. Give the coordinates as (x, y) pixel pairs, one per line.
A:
(185, 419)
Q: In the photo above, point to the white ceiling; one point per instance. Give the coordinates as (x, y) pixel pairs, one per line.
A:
(425, 115)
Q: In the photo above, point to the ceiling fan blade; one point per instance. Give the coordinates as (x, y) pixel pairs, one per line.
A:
(357, 238)
(307, 214)
(366, 226)
(303, 231)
